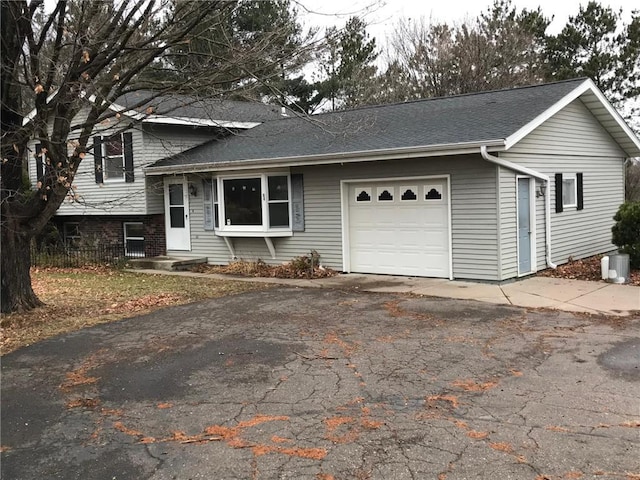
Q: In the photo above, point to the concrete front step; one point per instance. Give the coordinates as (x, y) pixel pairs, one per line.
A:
(166, 263)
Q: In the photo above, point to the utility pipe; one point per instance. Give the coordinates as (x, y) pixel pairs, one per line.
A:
(547, 200)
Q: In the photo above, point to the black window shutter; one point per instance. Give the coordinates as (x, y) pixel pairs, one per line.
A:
(128, 156)
(579, 188)
(558, 192)
(39, 166)
(97, 158)
(297, 202)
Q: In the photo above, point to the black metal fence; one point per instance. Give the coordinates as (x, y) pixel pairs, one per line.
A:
(66, 256)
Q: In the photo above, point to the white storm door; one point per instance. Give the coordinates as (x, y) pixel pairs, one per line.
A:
(525, 247)
(176, 214)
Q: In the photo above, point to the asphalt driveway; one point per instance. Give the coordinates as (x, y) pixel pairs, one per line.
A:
(327, 384)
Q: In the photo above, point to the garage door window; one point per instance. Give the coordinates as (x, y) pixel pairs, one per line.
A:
(409, 194)
(385, 194)
(432, 193)
(364, 195)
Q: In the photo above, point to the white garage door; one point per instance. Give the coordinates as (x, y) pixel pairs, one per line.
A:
(399, 227)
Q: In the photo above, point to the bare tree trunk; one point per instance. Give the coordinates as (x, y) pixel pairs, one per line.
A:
(632, 181)
(16, 292)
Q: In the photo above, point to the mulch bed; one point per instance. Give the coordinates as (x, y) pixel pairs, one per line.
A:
(585, 269)
(295, 269)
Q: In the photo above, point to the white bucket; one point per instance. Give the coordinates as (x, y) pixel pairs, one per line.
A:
(604, 268)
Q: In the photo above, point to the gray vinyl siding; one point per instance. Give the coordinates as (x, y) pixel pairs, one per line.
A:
(572, 131)
(140, 197)
(111, 197)
(573, 141)
(473, 211)
(154, 188)
(160, 141)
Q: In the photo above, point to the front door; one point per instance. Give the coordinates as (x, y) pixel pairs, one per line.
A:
(524, 225)
(176, 208)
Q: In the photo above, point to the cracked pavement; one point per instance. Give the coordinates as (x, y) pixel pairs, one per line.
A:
(328, 384)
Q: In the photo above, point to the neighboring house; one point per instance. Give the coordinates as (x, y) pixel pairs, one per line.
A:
(111, 201)
(487, 186)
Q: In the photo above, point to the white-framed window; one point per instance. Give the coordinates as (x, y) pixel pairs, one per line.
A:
(133, 239)
(278, 191)
(113, 158)
(210, 204)
(216, 206)
(569, 190)
(71, 234)
(253, 203)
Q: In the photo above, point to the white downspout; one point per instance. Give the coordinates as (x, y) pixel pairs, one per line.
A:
(547, 197)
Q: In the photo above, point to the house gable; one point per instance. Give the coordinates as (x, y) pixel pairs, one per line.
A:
(600, 109)
(574, 130)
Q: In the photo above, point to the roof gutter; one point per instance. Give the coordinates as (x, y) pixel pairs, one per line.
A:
(547, 197)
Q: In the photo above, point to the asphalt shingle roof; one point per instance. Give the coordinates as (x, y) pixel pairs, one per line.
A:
(175, 105)
(458, 119)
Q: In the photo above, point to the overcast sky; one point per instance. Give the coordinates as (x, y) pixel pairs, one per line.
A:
(381, 15)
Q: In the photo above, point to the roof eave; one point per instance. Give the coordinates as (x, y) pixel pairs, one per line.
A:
(493, 145)
(199, 122)
(155, 118)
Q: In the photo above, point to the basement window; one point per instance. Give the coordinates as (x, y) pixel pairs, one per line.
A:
(134, 239)
(71, 234)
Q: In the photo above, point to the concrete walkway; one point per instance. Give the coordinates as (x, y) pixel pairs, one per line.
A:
(531, 292)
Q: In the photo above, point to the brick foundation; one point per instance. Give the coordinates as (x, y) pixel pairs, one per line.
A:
(100, 230)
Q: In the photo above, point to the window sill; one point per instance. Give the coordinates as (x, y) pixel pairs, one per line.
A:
(255, 234)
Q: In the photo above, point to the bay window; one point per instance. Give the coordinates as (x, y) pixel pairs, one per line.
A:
(251, 205)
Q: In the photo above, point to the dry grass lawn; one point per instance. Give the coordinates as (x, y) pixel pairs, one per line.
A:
(80, 297)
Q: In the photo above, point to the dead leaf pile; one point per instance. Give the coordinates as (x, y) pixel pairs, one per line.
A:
(261, 269)
(585, 269)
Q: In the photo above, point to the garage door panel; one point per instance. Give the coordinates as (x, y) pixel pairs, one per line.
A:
(403, 237)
